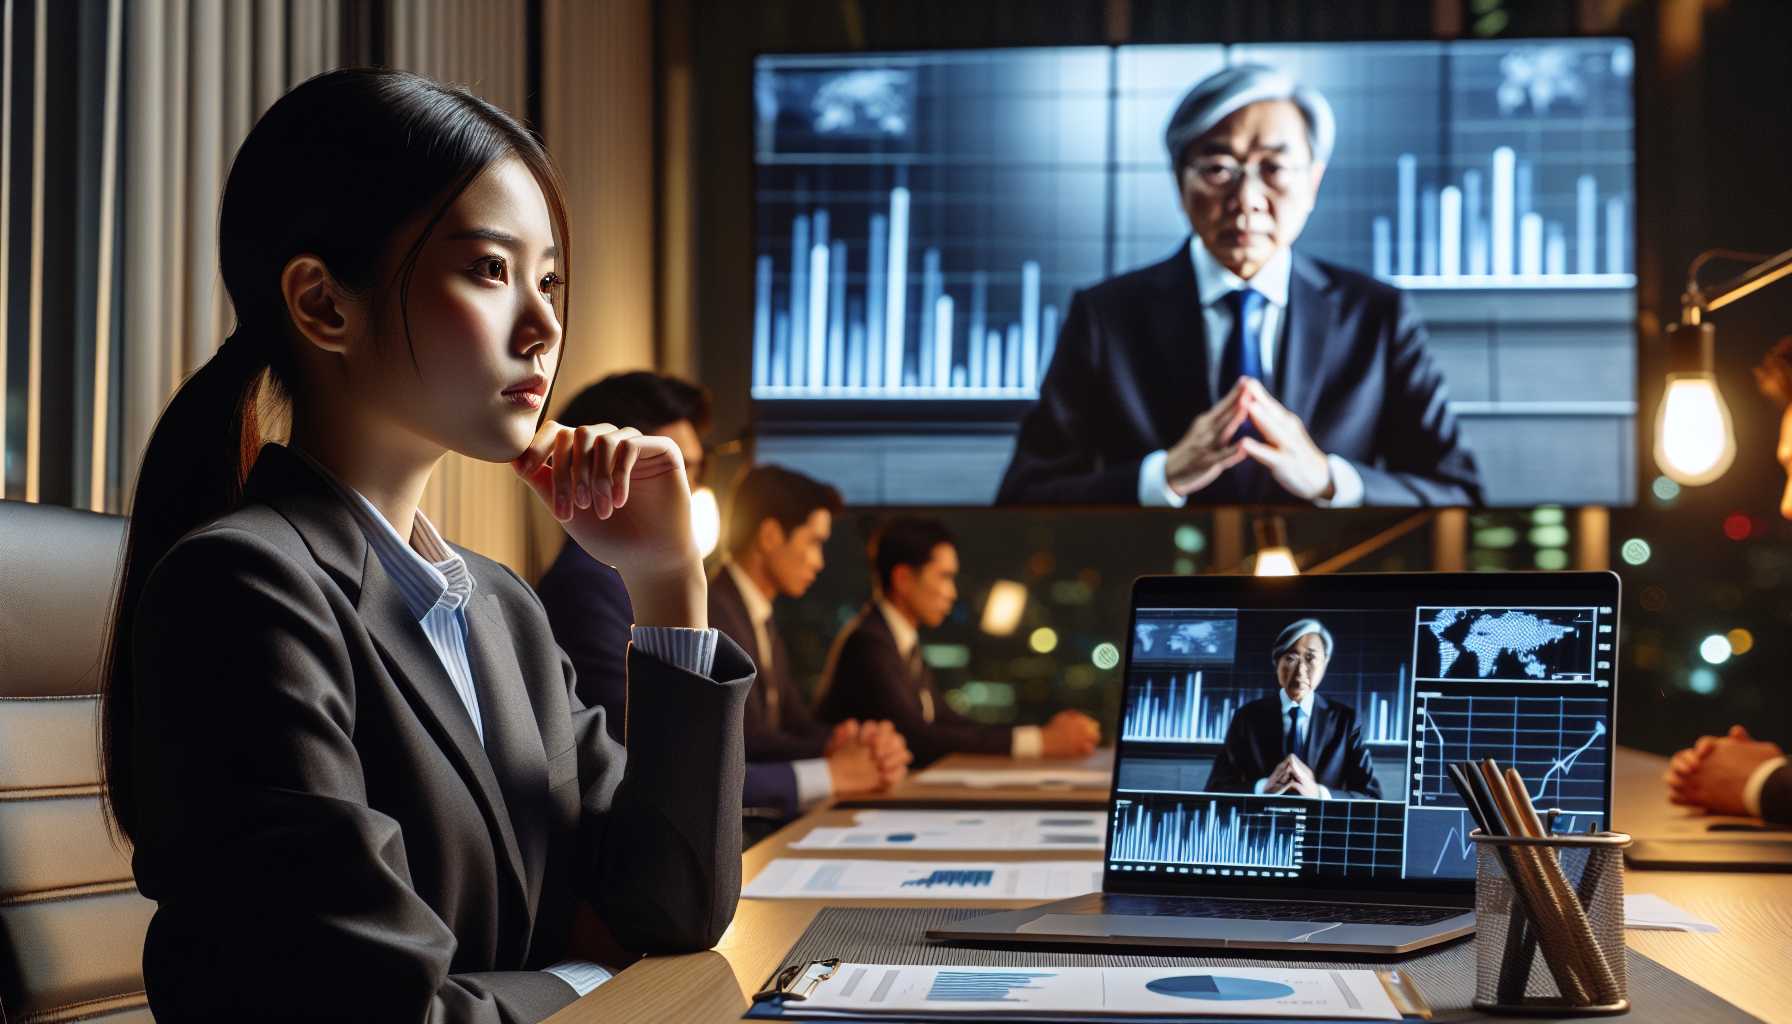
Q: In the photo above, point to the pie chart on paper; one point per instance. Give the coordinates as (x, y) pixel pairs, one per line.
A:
(1217, 987)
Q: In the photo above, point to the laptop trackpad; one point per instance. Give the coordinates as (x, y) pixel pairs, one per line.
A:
(1135, 926)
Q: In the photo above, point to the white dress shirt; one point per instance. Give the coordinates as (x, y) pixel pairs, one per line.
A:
(1028, 740)
(436, 585)
(1303, 723)
(813, 781)
(1215, 283)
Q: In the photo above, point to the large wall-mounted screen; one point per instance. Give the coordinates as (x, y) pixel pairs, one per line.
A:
(979, 278)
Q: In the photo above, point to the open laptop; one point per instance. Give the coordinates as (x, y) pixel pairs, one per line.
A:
(1423, 669)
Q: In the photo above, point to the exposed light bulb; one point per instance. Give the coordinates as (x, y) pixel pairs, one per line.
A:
(1694, 442)
(706, 521)
(1276, 561)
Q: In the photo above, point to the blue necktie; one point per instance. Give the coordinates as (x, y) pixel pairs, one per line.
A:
(1243, 356)
(1292, 742)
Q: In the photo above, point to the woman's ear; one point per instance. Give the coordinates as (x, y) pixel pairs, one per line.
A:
(325, 314)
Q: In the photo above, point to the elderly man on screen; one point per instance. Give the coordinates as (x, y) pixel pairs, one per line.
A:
(1297, 742)
(1239, 370)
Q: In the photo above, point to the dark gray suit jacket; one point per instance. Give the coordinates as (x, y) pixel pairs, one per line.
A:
(868, 679)
(1334, 750)
(1130, 374)
(319, 825)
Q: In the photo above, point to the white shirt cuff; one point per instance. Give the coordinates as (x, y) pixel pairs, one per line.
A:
(1262, 786)
(1751, 792)
(1324, 794)
(582, 975)
(1028, 743)
(1347, 485)
(1154, 486)
(693, 650)
(814, 783)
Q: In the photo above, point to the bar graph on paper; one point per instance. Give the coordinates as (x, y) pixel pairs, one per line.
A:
(1182, 833)
(1182, 708)
(1481, 229)
(823, 336)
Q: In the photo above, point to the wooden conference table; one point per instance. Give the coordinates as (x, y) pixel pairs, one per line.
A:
(1748, 962)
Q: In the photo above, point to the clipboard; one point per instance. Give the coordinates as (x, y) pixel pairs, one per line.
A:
(791, 985)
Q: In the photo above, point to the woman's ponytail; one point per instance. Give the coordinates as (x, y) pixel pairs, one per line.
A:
(193, 469)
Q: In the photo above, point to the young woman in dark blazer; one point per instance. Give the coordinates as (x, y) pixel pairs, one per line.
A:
(349, 758)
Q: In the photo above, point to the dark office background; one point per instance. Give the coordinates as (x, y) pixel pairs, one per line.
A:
(1713, 124)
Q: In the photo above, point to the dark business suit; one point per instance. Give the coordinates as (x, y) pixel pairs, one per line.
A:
(324, 833)
(1334, 749)
(1131, 373)
(588, 607)
(779, 725)
(867, 678)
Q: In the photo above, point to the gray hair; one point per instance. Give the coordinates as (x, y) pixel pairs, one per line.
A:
(1219, 95)
(1297, 629)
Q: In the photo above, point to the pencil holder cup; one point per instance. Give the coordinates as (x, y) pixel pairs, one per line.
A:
(1549, 924)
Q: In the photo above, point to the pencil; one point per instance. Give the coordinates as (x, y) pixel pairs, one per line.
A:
(1559, 953)
(1593, 959)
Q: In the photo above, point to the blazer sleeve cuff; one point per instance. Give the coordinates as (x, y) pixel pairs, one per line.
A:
(1751, 791)
(693, 650)
(1154, 484)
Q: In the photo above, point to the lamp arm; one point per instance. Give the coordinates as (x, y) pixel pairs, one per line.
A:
(1696, 301)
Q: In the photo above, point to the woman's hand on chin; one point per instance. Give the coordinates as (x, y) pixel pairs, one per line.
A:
(623, 497)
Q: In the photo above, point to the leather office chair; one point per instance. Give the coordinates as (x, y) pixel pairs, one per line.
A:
(71, 920)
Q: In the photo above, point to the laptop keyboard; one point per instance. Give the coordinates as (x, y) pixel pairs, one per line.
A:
(1275, 910)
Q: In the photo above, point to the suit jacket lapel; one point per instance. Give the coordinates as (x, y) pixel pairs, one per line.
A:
(418, 670)
(1301, 363)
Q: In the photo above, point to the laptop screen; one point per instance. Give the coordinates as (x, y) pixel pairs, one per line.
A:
(1294, 732)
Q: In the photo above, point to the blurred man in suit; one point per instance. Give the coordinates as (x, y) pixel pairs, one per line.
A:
(1297, 742)
(1238, 370)
(875, 669)
(587, 604)
(778, 523)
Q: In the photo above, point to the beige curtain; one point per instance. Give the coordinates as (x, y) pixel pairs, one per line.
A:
(200, 73)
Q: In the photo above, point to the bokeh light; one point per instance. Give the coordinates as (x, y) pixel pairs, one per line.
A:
(1552, 559)
(1741, 640)
(1105, 656)
(1044, 640)
(1702, 680)
(1636, 551)
(1738, 526)
(1715, 649)
(1665, 490)
(1190, 539)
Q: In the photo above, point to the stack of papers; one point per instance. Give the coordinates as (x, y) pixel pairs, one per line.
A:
(795, 878)
(865, 990)
(963, 830)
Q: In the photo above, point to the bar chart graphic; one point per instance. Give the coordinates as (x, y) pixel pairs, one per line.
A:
(1182, 833)
(952, 879)
(833, 332)
(1184, 709)
(983, 986)
(1480, 229)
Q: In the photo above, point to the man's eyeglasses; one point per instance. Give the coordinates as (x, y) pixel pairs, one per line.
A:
(1218, 175)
